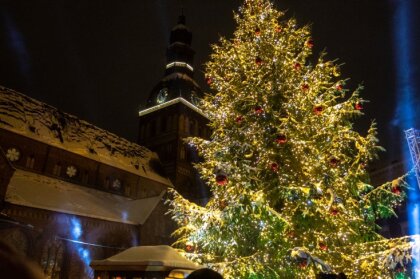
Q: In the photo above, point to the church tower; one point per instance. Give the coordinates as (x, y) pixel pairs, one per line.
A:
(171, 115)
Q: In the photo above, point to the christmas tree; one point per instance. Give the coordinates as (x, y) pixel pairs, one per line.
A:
(290, 192)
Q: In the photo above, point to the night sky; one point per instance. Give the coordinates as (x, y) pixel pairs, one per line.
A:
(100, 59)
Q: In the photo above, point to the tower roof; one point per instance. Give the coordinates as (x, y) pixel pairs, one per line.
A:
(178, 80)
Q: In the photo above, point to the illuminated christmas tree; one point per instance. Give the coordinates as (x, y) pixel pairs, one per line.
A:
(291, 194)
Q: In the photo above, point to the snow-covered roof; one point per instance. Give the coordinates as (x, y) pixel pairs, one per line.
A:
(150, 258)
(39, 121)
(38, 191)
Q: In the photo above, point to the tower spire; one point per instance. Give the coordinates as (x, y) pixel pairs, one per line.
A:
(178, 80)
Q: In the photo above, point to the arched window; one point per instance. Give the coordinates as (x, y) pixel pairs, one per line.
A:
(52, 257)
(182, 153)
(181, 123)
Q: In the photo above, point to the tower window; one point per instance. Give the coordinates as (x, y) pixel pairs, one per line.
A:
(182, 153)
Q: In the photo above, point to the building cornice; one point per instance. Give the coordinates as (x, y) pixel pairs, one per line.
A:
(170, 103)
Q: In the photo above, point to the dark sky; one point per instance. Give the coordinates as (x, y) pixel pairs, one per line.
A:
(100, 59)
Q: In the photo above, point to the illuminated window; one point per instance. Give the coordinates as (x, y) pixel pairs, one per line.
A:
(57, 169)
(30, 162)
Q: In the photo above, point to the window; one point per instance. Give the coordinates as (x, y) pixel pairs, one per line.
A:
(163, 125)
(182, 153)
(85, 177)
(169, 123)
(127, 190)
(107, 182)
(181, 123)
(57, 169)
(187, 125)
(30, 162)
(52, 257)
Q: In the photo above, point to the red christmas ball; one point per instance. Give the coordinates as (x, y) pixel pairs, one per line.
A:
(303, 264)
(221, 179)
(209, 80)
(339, 87)
(310, 43)
(323, 246)
(274, 167)
(239, 119)
(334, 211)
(281, 139)
(318, 110)
(258, 61)
(358, 106)
(278, 29)
(258, 110)
(297, 66)
(334, 162)
(257, 32)
(305, 87)
(189, 247)
(396, 190)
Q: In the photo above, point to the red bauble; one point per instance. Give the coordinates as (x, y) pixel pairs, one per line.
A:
(281, 139)
(310, 43)
(257, 32)
(274, 167)
(189, 248)
(278, 29)
(221, 179)
(239, 119)
(305, 87)
(396, 190)
(258, 110)
(303, 264)
(339, 87)
(209, 80)
(318, 110)
(297, 66)
(334, 211)
(222, 204)
(258, 61)
(358, 106)
(323, 246)
(334, 162)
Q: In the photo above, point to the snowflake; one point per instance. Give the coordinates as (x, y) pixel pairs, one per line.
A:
(116, 184)
(13, 154)
(71, 171)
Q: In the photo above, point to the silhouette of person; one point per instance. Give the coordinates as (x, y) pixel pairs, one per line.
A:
(204, 273)
(14, 265)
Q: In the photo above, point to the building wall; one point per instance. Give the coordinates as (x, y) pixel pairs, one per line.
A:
(164, 132)
(6, 172)
(46, 239)
(55, 162)
(44, 235)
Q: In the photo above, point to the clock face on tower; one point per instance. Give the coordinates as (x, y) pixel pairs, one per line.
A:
(162, 96)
